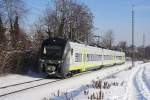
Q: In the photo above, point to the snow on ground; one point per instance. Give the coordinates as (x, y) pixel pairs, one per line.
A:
(15, 78)
(126, 85)
(138, 86)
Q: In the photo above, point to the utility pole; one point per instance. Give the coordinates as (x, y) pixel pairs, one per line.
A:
(132, 35)
(143, 47)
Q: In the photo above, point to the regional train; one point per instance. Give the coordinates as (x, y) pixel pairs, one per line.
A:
(64, 58)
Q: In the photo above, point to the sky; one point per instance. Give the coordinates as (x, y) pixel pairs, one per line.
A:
(109, 15)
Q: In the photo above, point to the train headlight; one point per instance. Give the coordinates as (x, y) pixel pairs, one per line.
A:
(59, 61)
(51, 68)
(41, 60)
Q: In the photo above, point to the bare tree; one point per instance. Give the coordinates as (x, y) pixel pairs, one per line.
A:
(14, 11)
(122, 45)
(108, 39)
(38, 35)
(13, 8)
(147, 52)
(68, 19)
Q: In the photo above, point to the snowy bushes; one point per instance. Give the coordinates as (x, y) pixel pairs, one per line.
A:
(15, 61)
(19, 59)
(97, 90)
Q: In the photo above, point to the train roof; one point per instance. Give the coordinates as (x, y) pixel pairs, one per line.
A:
(58, 41)
(61, 41)
(74, 44)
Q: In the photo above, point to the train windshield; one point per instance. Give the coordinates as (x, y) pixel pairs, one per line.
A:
(53, 48)
(52, 52)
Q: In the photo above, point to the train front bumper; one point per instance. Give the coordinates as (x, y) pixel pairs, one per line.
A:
(50, 66)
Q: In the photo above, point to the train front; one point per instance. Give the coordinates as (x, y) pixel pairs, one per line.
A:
(52, 52)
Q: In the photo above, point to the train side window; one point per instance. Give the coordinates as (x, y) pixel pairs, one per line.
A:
(88, 57)
(71, 51)
(94, 57)
(107, 57)
(119, 57)
(78, 57)
(99, 57)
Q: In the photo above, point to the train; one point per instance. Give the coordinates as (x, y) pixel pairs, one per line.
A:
(64, 58)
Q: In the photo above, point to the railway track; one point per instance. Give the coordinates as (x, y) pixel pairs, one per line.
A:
(18, 87)
(20, 83)
(11, 89)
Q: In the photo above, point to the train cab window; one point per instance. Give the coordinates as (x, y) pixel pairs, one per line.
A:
(44, 51)
(53, 52)
(78, 57)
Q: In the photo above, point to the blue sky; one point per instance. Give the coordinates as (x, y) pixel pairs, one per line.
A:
(109, 15)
